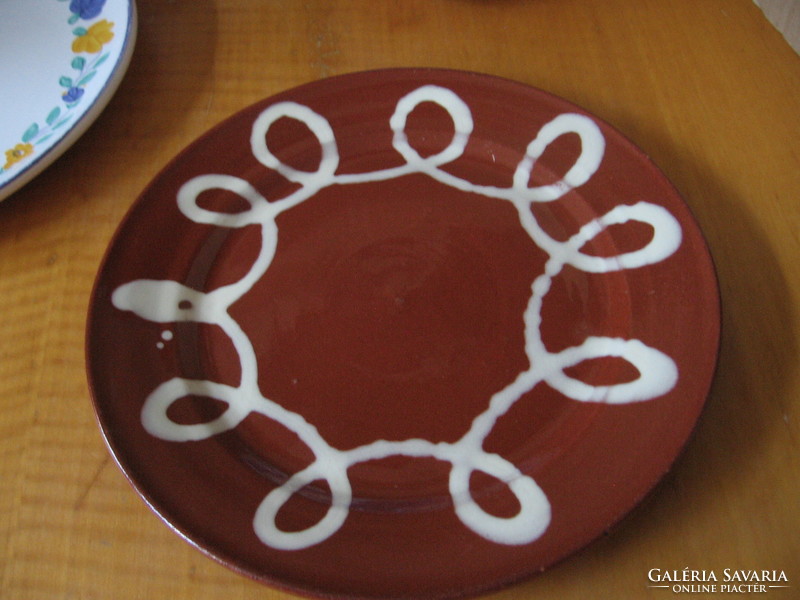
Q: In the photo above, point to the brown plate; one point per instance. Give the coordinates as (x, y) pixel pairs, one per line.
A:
(405, 333)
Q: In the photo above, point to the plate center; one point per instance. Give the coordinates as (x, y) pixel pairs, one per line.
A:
(392, 310)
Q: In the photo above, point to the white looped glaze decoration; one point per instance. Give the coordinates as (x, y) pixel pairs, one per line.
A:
(170, 301)
(583, 169)
(318, 126)
(458, 111)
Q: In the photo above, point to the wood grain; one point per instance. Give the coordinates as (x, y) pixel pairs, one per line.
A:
(709, 89)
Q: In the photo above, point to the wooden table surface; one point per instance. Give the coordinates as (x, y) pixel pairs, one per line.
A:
(709, 89)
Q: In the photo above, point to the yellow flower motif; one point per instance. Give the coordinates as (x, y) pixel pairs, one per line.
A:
(16, 154)
(92, 41)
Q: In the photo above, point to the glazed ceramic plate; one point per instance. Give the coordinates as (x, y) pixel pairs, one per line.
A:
(63, 60)
(406, 333)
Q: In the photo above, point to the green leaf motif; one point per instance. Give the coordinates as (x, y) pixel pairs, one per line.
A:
(102, 59)
(86, 79)
(65, 82)
(78, 63)
(30, 133)
(62, 122)
(80, 31)
(54, 114)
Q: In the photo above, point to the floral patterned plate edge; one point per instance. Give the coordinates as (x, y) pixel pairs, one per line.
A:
(69, 58)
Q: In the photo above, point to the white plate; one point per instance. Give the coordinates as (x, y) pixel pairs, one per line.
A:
(63, 60)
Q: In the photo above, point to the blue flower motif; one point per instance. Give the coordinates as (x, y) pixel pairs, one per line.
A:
(73, 94)
(87, 9)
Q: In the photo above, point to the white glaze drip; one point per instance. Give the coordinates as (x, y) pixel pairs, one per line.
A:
(170, 301)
